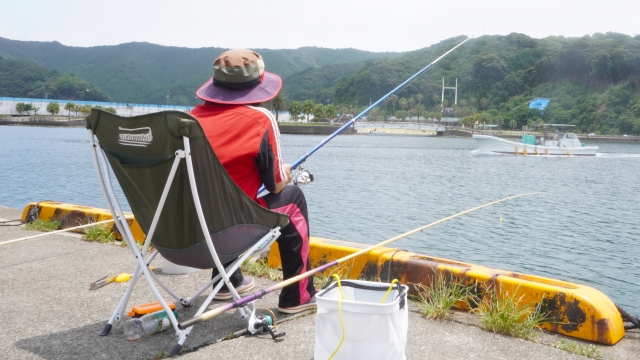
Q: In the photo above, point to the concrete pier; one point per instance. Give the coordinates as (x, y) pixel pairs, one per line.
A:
(49, 312)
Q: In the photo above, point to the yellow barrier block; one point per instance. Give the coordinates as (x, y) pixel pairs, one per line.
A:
(578, 311)
(73, 215)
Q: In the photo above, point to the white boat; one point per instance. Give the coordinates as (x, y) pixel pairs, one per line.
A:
(564, 144)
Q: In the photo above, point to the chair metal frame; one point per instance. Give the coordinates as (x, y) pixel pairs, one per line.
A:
(142, 266)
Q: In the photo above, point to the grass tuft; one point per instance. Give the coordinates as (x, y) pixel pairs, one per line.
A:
(260, 268)
(99, 233)
(43, 225)
(503, 314)
(342, 270)
(444, 293)
(591, 351)
(160, 355)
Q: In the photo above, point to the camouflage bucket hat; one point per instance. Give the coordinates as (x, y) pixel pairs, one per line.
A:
(239, 78)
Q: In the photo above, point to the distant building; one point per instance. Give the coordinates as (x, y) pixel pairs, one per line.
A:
(448, 112)
(8, 106)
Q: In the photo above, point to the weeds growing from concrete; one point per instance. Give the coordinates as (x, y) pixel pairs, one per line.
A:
(42, 225)
(504, 314)
(320, 280)
(260, 268)
(444, 293)
(99, 233)
(160, 355)
(591, 351)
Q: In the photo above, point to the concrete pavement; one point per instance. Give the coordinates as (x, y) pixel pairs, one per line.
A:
(49, 313)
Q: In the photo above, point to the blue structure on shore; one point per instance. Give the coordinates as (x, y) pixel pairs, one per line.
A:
(539, 103)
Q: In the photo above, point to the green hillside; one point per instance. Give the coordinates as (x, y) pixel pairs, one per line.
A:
(317, 84)
(592, 81)
(143, 72)
(23, 79)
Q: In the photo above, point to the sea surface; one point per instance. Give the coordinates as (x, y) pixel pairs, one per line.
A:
(584, 229)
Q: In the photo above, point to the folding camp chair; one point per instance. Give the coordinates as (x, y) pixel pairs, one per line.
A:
(192, 211)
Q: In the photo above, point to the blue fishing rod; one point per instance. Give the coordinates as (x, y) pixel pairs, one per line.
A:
(365, 111)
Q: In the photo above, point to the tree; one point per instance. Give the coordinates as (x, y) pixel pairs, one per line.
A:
(436, 99)
(330, 111)
(295, 108)
(278, 103)
(307, 108)
(53, 108)
(85, 109)
(420, 111)
(419, 98)
(20, 107)
(107, 109)
(484, 102)
(70, 107)
(394, 100)
(473, 102)
(513, 123)
(35, 110)
(403, 103)
(318, 112)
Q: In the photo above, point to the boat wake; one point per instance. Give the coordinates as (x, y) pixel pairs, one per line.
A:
(617, 155)
(485, 153)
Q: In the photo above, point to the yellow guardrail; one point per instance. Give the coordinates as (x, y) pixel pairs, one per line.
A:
(578, 311)
(73, 215)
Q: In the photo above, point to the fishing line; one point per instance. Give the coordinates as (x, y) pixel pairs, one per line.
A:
(55, 232)
(365, 111)
(259, 294)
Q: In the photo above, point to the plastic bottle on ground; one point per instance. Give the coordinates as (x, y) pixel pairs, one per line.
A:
(148, 324)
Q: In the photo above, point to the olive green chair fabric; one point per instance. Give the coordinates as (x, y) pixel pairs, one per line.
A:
(141, 152)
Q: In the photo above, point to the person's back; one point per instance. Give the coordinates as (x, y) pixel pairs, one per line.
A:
(247, 142)
(242, 136)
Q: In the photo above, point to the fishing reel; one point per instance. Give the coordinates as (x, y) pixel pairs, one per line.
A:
(303, 177)
(259, 324)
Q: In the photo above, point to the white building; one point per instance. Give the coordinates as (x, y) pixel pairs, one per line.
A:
(8, 106)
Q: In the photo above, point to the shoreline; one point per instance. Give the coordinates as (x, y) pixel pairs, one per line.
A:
(322, 129)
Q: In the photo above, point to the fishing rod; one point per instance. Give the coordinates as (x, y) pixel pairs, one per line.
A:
(365, 111)
(55, 232)
(258, 294)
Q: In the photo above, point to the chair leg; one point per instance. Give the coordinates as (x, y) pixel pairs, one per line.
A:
(118, 313)
(106, 330)
(178, 346)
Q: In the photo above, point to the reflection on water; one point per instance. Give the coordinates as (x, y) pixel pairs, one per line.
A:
(371, 188)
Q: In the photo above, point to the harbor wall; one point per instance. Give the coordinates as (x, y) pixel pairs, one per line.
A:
(291, 128)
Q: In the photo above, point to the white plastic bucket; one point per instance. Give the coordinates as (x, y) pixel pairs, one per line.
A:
(373, 330)
(174, 269)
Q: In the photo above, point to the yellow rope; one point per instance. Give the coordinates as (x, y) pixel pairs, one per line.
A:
(388, 291)
(339, 312)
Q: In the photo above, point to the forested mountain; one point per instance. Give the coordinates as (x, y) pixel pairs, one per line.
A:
(592, 81)
(23, 79)
(143, 72)
(317, 84)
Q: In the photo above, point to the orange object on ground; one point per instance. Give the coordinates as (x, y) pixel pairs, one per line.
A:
(143, 309)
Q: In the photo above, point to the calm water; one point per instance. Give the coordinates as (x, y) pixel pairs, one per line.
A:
(371, 188)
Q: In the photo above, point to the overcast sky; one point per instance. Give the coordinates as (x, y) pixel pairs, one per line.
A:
(375, 25)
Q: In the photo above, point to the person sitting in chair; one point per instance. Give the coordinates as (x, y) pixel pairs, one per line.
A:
(246, 140)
